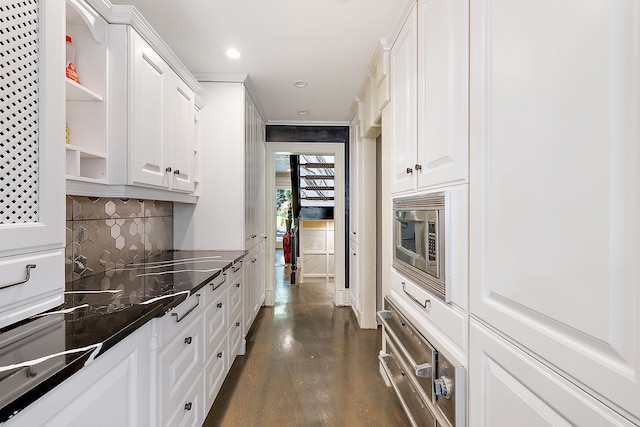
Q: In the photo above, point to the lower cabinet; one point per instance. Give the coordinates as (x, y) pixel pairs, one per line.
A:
(167, 373)
(508, 386)
(179, 367)
(110, 391)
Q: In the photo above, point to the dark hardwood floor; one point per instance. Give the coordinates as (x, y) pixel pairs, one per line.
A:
(307, 364)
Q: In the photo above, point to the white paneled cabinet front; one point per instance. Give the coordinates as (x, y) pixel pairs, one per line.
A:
(161, 134)
(179, 366)
(110, 390)
(429, 88)
(506, 384)
(32, 95)
(554, 208)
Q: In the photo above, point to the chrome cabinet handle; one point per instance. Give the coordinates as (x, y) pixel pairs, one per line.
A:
(188, 340)
(219, 305)
(426, 302)
(215, 286)
(176, 172)
(418, 167)
(168, 169)
(26, 278)
(238, 324)
(235, 270)
(181, 318)
(238, 285)
(409, 170)
(187, 406)
(219, 355)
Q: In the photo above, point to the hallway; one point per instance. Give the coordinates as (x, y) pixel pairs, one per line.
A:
(307, 364)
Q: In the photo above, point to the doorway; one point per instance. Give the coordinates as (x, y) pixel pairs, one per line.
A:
(275, 150)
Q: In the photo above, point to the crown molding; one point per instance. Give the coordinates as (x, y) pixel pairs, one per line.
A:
(129, 15)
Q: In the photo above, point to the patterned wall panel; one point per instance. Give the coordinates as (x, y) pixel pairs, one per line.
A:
(106, 233)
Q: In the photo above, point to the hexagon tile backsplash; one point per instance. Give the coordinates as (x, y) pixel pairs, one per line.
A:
(106, 233)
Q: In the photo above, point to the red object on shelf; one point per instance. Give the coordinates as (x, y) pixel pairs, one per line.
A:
(286, 247)
(71, 71)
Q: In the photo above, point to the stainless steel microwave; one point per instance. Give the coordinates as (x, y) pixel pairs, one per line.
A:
(419, 241)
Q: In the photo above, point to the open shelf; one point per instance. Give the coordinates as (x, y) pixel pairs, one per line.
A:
(77, 92)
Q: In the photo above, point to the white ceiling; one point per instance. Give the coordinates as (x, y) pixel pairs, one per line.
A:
(327, 43)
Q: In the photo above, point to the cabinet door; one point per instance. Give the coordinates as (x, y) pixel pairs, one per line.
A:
(555, 236)
(32, 173)
(354, 158)
(507, 384)
(181, 116)
(112, 390)
(148, 158)
(404, 69)
(443, 92)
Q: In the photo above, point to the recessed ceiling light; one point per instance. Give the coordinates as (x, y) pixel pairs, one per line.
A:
(300, 83)
(233, 53)
(303, 112)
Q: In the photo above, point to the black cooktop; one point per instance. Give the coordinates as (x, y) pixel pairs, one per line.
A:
(99, 311)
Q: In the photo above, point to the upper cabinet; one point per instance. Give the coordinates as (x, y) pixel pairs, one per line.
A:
(161, 125)
(32, 208)
(429, 89)
(131, 116)
(555, 238)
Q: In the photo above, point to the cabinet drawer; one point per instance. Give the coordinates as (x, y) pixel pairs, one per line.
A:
(235, 338)
(215, 320)
(43, 290)
(234, 271)
(215, 371)
(442, 318)
(173, 322)
(179, 364)
(189, 409)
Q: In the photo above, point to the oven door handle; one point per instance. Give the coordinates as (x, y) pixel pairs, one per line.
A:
(423, 370)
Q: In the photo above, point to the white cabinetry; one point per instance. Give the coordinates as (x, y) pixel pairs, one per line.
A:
(404, 116)
(506, 384)
(161, 133)
(180, 361)
(131, 120)
(87, 147)
(429, 75)
(231, 213)
(112, 389)
(31, 147)
(555, 237)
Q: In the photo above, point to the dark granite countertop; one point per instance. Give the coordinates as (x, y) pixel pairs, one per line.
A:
(99, 311)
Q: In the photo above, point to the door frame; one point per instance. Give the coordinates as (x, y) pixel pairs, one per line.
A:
(336, 149)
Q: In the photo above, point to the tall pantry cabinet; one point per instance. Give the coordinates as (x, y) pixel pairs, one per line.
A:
(230, 214)
(554, 208)
(32, 207)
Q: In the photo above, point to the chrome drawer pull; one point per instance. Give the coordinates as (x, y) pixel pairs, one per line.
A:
(427, 302)
(187, 406)
(215, 286)
(219, 305)
(179, 318)
(219, 355)
(26, 279)
(424, 370)
(235, 270)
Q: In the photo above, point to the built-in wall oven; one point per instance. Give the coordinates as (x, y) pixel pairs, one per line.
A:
(430, 386)
(419, 240)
